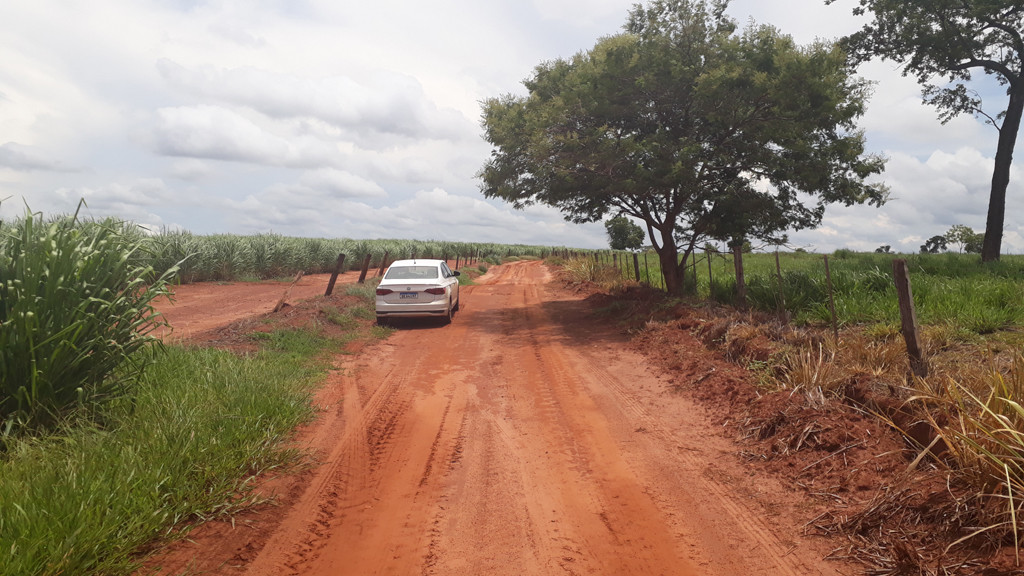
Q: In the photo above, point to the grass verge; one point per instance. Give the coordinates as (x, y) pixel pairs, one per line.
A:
(186, 446)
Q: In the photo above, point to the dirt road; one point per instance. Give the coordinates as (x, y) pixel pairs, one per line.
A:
(522, 439)
(203, 306)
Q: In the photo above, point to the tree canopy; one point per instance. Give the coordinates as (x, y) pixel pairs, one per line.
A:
(623, 234)
(934, 245)
(964, 238)
(949, 41)
(686, 124)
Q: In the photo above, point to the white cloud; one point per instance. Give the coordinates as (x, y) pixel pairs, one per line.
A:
(28, 158)
(217, 133)
(341, 184)
(388, 103)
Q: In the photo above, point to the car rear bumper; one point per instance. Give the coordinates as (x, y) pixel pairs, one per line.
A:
(436, 308)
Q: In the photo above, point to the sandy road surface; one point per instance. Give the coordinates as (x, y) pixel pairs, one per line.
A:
(523, 439)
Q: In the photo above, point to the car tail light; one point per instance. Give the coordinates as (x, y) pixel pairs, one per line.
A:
(383, 291)
(434, 291)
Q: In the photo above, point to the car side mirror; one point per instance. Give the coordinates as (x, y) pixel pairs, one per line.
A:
(456, 273)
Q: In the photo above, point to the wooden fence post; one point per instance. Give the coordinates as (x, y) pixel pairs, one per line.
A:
(908, 316)
(280, 303)
(711, 279)
(782, 294)
(334, 277)
(831, 301)
(383, 263)
(693, 255)
(636, 265)
(741, 285)
(366, 268)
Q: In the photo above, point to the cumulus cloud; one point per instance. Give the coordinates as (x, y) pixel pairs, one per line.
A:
(341, 184)
(137, 202)
(387, 103)
(218, 133)
(27, 158)
(928, 197)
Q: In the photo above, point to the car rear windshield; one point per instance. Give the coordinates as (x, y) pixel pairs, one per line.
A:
(412, 273)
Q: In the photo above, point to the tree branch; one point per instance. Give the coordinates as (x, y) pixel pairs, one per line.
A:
(988, 65)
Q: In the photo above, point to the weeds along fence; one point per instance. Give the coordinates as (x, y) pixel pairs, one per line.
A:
(953, 289)
(227, 257)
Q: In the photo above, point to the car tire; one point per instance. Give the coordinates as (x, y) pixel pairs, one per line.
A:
(448, 315)
(382, 321)
(456, 309)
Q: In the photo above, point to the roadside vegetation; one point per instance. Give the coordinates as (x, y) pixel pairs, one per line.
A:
(185, 445)
(954, 290)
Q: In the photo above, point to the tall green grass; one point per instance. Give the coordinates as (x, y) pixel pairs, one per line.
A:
(186, 444)
(953, 289)
(75, 316)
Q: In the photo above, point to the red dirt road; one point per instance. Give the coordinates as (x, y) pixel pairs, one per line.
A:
(200, 307)
(522, 439)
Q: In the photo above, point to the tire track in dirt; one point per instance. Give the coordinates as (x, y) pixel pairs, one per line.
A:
(519, 440)
(384, 500)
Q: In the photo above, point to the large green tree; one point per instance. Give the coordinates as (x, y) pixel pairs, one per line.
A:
(685, 124)
(951, 41)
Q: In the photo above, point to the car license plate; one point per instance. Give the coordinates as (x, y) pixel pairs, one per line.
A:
(407, 295)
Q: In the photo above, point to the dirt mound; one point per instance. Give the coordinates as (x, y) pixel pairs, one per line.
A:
(332, 316)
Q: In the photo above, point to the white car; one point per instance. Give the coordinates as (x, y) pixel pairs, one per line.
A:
(412, 288)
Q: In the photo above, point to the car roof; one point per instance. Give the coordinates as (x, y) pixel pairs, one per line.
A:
(417, 262)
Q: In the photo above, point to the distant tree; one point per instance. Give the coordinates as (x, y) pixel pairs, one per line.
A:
(698, 132)
(975, 245)
(884, 249)
(953, 40)
(934, 245)
(965, 239)
(623, 234)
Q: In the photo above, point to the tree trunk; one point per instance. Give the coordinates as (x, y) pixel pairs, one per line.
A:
(668, 255)
(1001, 176)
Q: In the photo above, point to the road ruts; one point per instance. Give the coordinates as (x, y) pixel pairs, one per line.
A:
(509, 443)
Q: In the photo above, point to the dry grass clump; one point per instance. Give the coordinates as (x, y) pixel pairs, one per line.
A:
(586, 270)
(981, 429)
(903, 530)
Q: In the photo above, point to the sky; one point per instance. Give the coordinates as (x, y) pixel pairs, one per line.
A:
(327, 118)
